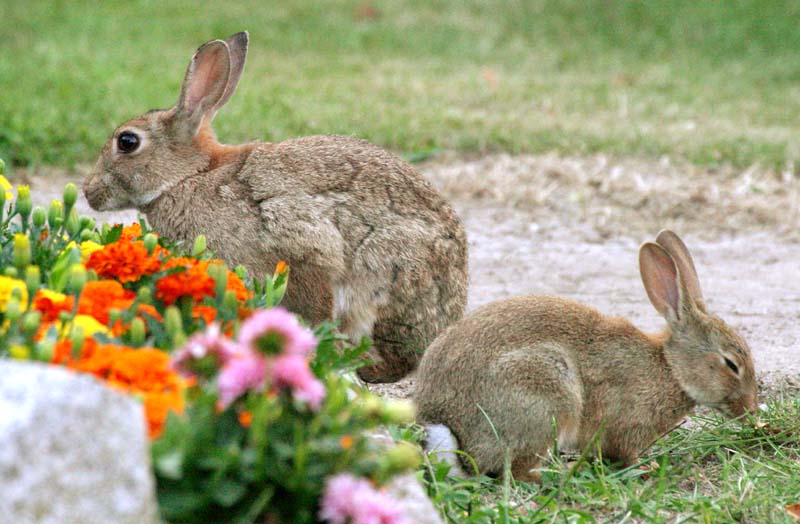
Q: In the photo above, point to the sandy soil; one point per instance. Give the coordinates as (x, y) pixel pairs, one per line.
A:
(572, 227)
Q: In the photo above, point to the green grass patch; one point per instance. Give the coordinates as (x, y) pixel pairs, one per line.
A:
(715, 472)
(713, 82)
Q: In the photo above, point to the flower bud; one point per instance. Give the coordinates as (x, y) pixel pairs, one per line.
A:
(150, 242)
(11, 271)
(13, 309)
(371, 406)
(73, 224)
(105, 229)
(137, 332)
(145, 295)
(24, 203)
(241, 271)
(87, 223)
(55, 214)
(281, 267)
(398, 411)
(44, 350)
(199, 245)
(219, 272)
(33, 279)
(2, 166)
(39, 216)
(77, 278)
(280, 278)
(22, 251)
(173, 322)
(5, 189)
(31, 322)
(403, 457)
(87, 234)
(229, 301)
(76, 338)
(70, 195)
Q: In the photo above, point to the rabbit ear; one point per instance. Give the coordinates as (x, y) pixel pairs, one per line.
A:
(204, 84)
(660, 278)
(683, 260)
(237, 48)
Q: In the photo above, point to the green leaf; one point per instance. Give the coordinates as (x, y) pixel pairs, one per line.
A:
(112, 235)
(181, 504)
(228, 492)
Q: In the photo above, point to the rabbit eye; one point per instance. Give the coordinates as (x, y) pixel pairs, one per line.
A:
(128, 142)
(730, 364)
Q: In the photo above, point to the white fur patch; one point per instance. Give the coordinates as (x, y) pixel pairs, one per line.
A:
(148, 197)
(353, 308)
(568, 439)
(441, 442)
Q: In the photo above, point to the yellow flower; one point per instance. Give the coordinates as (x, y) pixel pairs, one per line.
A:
(87, 323)
(53, 296)
(6, 186)
(19, 352)
(7, 287)
(87, 248)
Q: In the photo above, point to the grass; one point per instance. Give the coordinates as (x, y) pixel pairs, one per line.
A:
(712, 82)
(715, 472)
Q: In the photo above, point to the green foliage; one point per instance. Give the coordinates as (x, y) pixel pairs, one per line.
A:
(710, 81)
(714, 471)
(212, 468)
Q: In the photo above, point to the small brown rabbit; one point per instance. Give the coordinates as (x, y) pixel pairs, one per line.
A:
(520, 364)
(370, 243)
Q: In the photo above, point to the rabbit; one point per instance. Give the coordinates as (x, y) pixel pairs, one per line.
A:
(519, 365)
(371, 244)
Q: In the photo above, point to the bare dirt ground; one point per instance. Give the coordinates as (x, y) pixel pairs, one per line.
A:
(572, 227)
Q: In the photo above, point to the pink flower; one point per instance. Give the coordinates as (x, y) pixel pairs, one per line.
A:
(351, 500)
(276, 330)
(204, 353)
(292, 371)
(244, 371)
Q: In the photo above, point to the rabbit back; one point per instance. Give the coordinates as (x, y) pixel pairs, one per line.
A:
(500, 387)
(397, 250)
(532, 361)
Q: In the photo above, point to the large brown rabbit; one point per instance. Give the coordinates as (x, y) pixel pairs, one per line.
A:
(525, 362)
(370, 243)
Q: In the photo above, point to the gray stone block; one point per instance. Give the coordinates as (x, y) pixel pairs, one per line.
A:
(72, 451)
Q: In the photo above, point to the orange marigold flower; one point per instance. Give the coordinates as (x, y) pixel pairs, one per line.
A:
(143, 372)
(236, 285)
(346, 442)
(131, 232)
(50, 304)
(126, 260)
(99, 297)
(245, 418)
(195, 281)
(207, 313)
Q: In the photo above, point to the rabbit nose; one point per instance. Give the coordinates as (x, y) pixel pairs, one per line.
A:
(750, 404)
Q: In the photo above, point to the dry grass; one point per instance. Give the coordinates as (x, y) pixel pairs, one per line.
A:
(627, 195)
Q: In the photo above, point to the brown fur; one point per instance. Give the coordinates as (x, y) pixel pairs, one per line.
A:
(528, 362)
(370, 243)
